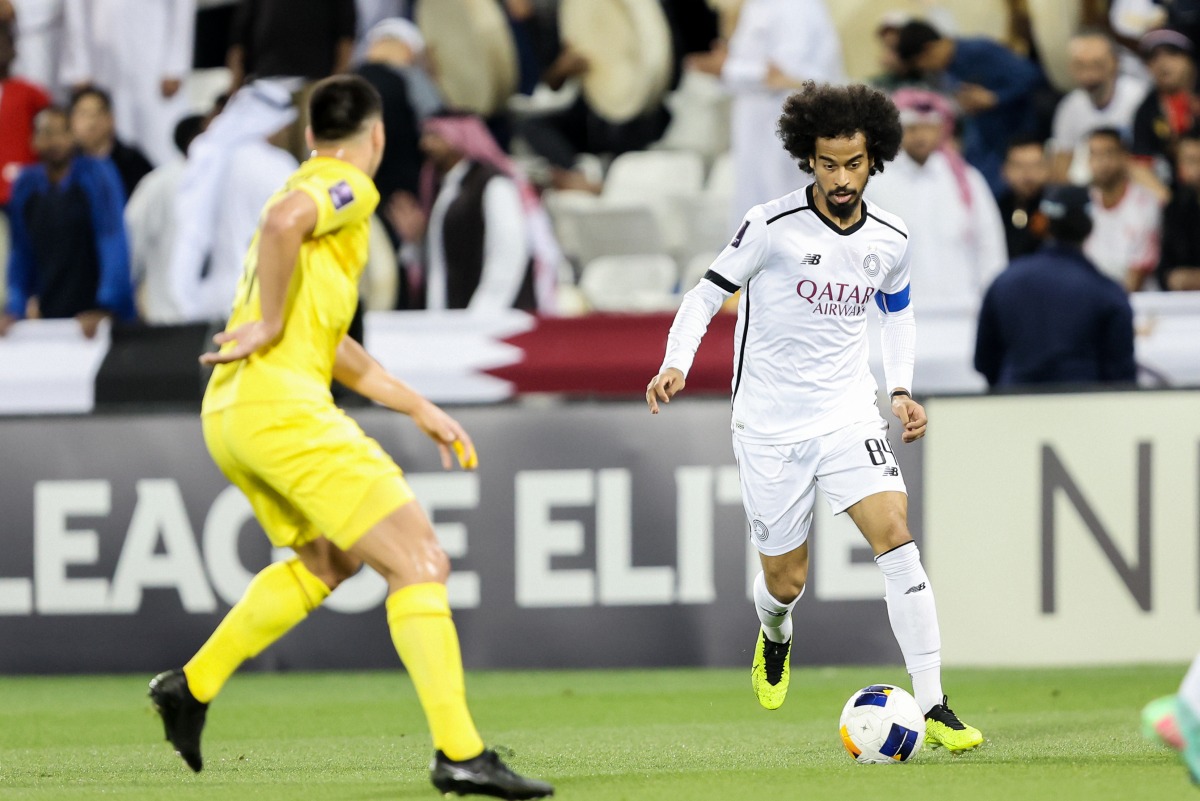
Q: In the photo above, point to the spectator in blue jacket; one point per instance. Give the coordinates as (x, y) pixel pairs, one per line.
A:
(995, 89)
(69, 256)
(1053, 318)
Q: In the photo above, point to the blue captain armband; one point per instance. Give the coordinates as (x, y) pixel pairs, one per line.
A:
(894, 302)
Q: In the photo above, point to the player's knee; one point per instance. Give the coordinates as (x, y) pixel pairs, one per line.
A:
(785, 585)
(439, 564)
(342, 569)
(332, 572)
(786, 592)
(895, 534)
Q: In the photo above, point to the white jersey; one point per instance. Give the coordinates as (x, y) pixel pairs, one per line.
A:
(800, 351)
(1126, 237)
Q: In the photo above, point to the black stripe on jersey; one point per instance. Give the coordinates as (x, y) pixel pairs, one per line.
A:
(786, 213)
(888, 224)
(737, 382)
(721, 281)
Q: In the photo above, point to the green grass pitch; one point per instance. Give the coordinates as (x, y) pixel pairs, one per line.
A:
(693, 735)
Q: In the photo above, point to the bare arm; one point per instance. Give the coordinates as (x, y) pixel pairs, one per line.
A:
(288, 223)
(343, 50)
(1135, 279)
(1060, 166)
(1143, 174)
(356, 369)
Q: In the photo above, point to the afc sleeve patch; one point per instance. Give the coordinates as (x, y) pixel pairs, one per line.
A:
(341, 195)
(737, 240)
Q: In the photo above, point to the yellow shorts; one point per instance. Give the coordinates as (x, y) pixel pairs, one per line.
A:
(307, 469)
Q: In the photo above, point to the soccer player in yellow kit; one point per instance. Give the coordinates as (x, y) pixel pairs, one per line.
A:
(316, 482)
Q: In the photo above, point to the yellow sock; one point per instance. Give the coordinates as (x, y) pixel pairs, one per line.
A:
(279, 597)
(425, 638)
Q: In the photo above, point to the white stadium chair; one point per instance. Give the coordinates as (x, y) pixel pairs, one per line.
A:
(617, 230)
(630, 283)
(720, 176)
(203, 87)
(645, 174)
(592, 167)
(700, 114)
(565, 206)
(655, 177)
(706, 219)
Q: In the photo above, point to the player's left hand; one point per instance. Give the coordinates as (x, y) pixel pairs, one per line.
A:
(249, 338)
(912, 414)
(89, 321)
(448, 434)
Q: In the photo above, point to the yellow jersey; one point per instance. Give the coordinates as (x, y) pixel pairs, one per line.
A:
(321, 298)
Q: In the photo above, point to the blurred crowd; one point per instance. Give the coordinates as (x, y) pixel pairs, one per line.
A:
(565, 156)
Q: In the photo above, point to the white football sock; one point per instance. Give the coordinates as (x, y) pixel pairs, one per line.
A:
(913, 614)
(1189, 690)
(776, 616)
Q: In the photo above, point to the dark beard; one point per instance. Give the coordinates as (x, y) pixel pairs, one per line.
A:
(843, 211)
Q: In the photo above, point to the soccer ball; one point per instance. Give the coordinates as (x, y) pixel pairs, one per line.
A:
(882, 725)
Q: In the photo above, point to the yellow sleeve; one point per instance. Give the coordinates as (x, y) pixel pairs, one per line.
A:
(343, 196)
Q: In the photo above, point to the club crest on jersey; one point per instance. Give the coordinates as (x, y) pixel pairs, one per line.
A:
(760, 530)
(341, 195)
(811, 258)
(836, 299)
(871, 265)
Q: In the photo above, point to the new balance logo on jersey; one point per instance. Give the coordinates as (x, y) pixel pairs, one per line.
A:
(917, 588)
(891, 471)
(811, 258)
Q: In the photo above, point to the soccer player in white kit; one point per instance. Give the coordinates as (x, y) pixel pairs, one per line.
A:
(809, 266)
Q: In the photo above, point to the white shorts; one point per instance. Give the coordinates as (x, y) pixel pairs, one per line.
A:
(779, 481)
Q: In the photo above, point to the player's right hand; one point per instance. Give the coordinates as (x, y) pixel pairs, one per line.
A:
(447, 433)
(663, 387)
(249, 338)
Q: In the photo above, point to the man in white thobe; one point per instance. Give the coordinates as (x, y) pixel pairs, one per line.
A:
(39, 43)
(232, 171)
(776, 45)
(956, 236)
(141, 52)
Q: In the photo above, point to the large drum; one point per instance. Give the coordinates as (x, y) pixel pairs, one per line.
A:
(627, 44)
(474, 57)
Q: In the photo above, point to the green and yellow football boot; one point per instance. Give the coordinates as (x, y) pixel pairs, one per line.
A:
(943, 729)
(770, 673)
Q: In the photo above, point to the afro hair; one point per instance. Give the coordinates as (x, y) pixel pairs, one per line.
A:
(833, 112)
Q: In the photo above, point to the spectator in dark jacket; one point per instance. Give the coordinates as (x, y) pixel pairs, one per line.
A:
(1179, 269)
(1053, 318)
(1025, 174)
(92, 125)
(994, 87)
(1172, 107)
(394, 65)
(69, 254)
(307, 39)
